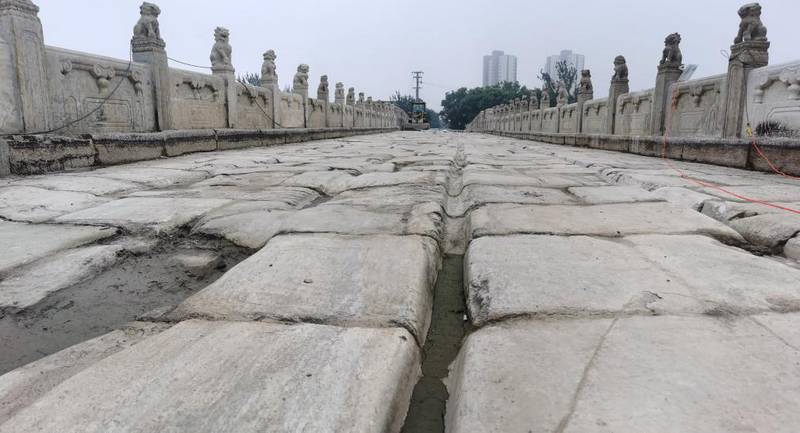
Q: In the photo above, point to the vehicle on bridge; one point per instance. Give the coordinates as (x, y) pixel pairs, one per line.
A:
(418, 117)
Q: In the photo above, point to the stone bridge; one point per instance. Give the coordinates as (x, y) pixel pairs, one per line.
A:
(367, 284)
(354, 278)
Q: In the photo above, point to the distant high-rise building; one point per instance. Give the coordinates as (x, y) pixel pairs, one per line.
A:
(499, 67)
(574, 59)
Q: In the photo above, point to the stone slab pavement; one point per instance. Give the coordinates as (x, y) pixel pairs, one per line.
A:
(603, 292)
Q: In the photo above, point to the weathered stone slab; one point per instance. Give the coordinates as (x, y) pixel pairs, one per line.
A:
(520, 376)
(550, 180)
(392, 199)
(371, 180)
(25, 203)
(773, 193)
(723, 280)
(684, 197)
(78, 183)
(292, 196)
(23, 386)
(27, 286)
(237, 377)
(600, 220)
(648, 374)
(770, 230)
(612, 194)
(146, 213)
(344, 280)
(509, 276)
(328, 182)
(25, 243)
(473, 196)
(153, 177)
(252, 229)
(792, 249)
(725, 211)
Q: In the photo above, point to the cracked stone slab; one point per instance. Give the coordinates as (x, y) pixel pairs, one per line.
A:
(473, 196)
(684, 197)
(78, 183)
(29, 285)
(329, 182)
(600, 220)
(612, 194)
(772, 193)
(653, 374)
(24, 243)
(26, 203)
(237, 377)
(510, 276)
(23, 386)
(292, 196)
(254, 229)
(726, 211)
(372, 180)
(392, 199)
(344, 280)
(149, 176)
(159, 214)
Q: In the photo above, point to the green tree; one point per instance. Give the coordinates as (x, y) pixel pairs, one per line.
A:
(405, 103)
(567, 74)
(460, 106)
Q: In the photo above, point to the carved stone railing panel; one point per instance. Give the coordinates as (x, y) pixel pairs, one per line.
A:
(695, 107)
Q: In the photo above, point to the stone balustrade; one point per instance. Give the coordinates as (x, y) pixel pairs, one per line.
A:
(718, 113)
(48, 89)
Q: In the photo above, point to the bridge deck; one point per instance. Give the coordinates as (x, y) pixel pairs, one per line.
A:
(328, 286)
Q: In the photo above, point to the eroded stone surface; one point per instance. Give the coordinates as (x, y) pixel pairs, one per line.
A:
(23, 243)
(353, 281)
(27, 286)
(237, 377)
(612, 194)
(150, 213)
(25, 203)
(601, 220)
(25, 385)
(637, 374)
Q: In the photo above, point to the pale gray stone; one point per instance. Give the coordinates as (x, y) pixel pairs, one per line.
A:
(770, 192)
(371, 180)
(76, 183)
(153, 177)
(393, 198)
(294, 197)
(28, 286)
(25, 385)
(792, 249)
(684, 197)
(328, 182)
(24, 243)
(601, 220)
(251, 229)
(237, 377)
(508, 276)
(25, 203)
(146, 214)
(473, 196)
(612, 194)
(681, 374)
(770, 230)
(346, 280)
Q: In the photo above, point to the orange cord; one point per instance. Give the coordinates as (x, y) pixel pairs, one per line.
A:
(711, 185)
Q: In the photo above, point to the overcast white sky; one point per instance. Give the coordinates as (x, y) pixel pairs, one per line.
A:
(374, 45)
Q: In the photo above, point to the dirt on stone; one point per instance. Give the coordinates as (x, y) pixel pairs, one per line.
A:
(137, 285)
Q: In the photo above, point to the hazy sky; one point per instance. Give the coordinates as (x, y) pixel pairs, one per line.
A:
(374, 45)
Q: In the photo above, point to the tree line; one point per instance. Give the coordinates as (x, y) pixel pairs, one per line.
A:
(460, 106)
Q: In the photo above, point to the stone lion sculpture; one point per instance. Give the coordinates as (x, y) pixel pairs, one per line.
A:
(147, 26)
(562, 94)
(322, 90)
(301, 77)
(672, 51)
(339, 95)
(751, 28)
(586, 85)
(221, 52)
(351, 96)
(269, 74)
(620, 68)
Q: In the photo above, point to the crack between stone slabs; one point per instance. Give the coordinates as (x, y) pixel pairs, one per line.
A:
(562, 426)
(774, 334)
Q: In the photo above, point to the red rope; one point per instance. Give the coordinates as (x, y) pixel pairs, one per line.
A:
(711, 185)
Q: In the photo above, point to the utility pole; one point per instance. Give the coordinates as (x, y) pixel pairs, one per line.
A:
(417, 76)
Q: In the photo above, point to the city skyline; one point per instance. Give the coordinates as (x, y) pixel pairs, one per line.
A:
(499, 67)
